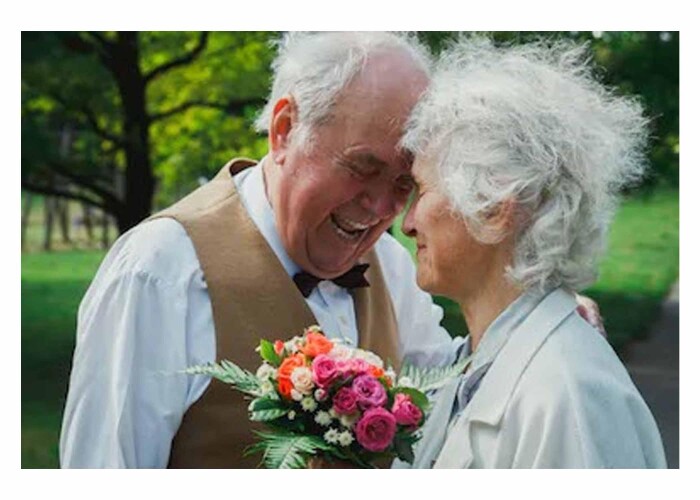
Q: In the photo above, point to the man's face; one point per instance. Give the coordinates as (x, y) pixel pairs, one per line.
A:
(338, 195)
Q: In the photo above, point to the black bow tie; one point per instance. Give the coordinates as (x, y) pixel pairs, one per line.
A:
(354, 278)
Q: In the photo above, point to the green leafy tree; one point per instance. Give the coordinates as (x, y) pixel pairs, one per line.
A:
(142, 106)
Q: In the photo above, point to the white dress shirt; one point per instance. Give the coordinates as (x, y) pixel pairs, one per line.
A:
(147, 315)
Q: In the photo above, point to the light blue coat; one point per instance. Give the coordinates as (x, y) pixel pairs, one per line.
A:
(556, 396)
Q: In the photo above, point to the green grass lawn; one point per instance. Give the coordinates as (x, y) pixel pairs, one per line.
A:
(52, 286)
(641, 265)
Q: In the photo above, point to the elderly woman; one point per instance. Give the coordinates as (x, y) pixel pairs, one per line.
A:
(520, 154)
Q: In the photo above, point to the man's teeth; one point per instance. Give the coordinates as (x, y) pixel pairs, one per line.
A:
(350, 225)
(348, 229)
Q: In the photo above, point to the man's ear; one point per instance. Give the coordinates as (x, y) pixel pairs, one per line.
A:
(284, 119)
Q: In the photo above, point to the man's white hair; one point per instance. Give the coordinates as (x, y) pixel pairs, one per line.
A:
(315, 67)
(531, 123)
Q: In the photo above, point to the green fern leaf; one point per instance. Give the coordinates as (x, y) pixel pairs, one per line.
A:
(229, 373)
(427, 379)
(287, 450)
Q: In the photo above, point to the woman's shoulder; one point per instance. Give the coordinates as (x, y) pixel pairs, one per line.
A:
(576, 363)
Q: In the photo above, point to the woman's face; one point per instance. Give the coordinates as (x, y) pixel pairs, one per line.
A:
(450, 261)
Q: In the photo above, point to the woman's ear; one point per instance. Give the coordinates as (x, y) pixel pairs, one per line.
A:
(501, 221)
(284, 119)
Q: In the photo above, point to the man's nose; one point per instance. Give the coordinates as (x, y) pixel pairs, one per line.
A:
(382, 202)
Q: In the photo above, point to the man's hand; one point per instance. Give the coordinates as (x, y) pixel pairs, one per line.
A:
(322, 463)
(588, 309)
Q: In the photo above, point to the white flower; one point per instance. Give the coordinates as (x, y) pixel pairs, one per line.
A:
(405, 382)
(266, 372)
(308, 404)
(332, 413)
(341, 352)
(266, 387)
(345, 438)
(331, 436)
(323, 418)
(349, 420)
(370, 357)
(320, 394)
(391, 375)
(296, 395)
(303, 380)
(292, 344)
(291, 415)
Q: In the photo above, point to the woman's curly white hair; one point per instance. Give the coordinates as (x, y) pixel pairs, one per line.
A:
(531, 123)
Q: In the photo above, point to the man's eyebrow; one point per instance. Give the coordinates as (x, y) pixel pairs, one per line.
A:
(367, 159)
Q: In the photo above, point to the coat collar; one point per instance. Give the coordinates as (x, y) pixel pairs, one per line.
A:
(490, 401)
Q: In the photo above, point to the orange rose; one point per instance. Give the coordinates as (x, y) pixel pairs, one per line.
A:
(284, 382)
(288, 365)
(375, 371)
(316, 343)
(285, 386)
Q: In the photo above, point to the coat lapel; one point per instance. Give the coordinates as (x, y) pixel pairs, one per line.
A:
(490, 401)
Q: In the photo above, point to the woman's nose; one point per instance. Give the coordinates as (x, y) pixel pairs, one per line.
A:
(408, 227)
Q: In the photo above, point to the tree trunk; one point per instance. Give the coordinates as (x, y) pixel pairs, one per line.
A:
(49, 209)
(87, 222)
(26, 210)
(63, 213)
(105, 230)
(139, 180)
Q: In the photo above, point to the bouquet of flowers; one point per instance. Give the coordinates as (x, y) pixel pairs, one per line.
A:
(323, 398)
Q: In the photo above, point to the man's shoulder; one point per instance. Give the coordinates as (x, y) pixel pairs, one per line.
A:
(159, 248)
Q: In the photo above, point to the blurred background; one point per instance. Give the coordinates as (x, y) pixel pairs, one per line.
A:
(116, 125)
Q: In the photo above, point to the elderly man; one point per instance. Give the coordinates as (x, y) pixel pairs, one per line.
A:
(261, 251)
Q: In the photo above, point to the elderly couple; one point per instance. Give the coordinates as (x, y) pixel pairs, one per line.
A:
(509, 159)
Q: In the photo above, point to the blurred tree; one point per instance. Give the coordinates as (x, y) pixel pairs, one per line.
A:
(153, 113)
(178, 101)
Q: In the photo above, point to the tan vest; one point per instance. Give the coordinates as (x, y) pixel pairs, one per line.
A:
(252, 297)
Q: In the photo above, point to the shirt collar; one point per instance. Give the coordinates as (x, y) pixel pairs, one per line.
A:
(251, 188)
(499, 330)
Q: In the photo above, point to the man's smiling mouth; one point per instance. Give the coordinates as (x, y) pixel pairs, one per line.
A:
(347, 229)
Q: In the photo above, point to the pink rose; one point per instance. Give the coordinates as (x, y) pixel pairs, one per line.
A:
(376, 429)
(325, 370)
(345, 401)
(354, 366)
(370, 392)
(405, 411)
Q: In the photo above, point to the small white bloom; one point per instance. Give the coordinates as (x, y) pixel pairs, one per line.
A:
(303, 380)
(308, 404)
(320, 394)
(341, 352)
(292, 344)
(405, 382)
(332, 413)
(291, 415)
(266, 372)
(296, 395)
(345, 438)
(331, 436)
(323, 418)
(349, 420)
(391, 375)
(266, 387)
(370, 357)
